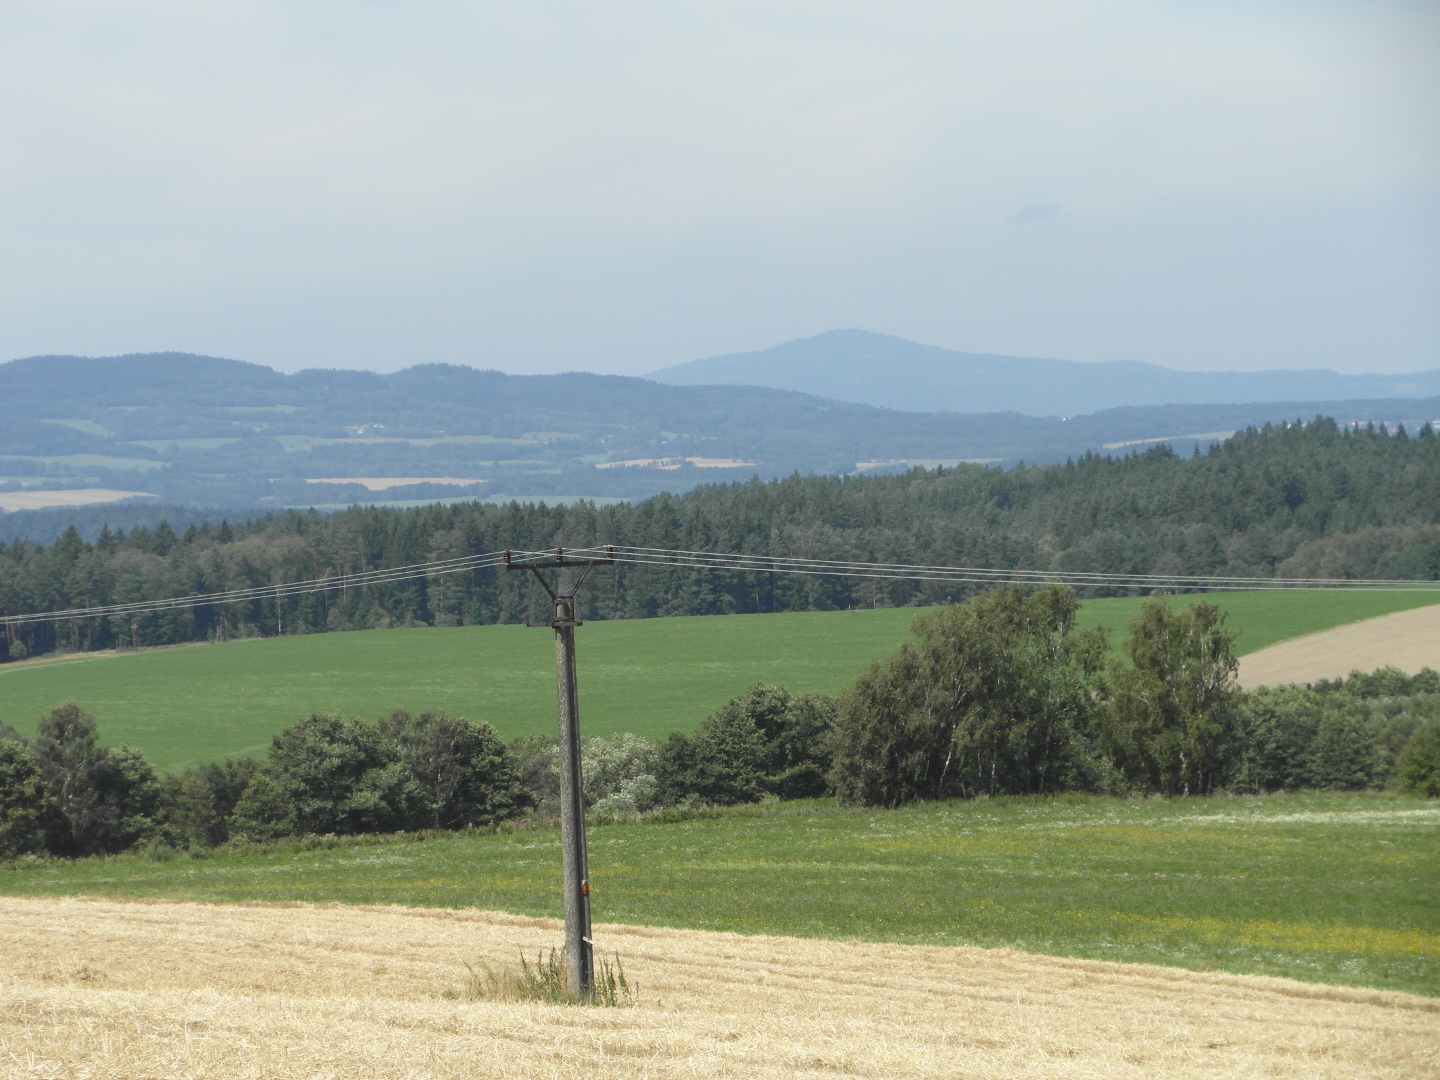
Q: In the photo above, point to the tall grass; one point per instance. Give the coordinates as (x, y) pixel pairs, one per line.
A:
(547, 980)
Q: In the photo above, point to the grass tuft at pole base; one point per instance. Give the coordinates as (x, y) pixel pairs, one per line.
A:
(546, 981)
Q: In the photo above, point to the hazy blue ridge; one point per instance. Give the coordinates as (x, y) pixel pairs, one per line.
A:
(878, 369)
(207, 432)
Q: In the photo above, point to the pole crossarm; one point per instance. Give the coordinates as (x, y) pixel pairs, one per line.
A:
(531, 560)
(559, 562)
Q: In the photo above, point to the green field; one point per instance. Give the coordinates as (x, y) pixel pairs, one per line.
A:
(1322, 887)
(652, 676)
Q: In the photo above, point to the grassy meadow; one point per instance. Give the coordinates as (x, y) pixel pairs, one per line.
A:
(1333, 888)
(196, 703)
(648, 676)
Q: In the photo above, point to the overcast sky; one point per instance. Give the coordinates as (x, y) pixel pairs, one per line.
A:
(620, 186)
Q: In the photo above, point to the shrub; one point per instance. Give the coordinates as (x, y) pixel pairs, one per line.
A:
(1418, 767)
(534, 760)
(1385, 682)
(261, 813)
(992, 697)
(720, 764)
(1279, 724)
(328, 775)
(794, 735)
(110, 796)
(1293, 737)
(608, 764)
(798, 756)
(189, 809)
(459, 772)
(619, 774)
(1171, 720)
(767, 741)
(30, 822)
(200, 803)
(1380, 683)
(633, 796)
(1343, 755)
(1394, 727)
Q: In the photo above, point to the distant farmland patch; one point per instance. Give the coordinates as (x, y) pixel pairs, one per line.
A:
(40, 500)
(384, 483)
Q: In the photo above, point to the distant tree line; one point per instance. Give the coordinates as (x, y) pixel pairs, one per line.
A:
(1299, 500)
(1000, 696)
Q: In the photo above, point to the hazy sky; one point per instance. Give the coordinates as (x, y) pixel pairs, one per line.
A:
(620, 186)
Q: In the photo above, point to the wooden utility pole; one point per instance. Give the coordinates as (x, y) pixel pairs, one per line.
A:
(579, 948)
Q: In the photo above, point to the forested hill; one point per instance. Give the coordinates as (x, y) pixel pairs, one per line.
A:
(201, 431)
(1292, 501)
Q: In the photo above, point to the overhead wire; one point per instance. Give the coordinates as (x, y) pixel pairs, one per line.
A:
(281, 590)
(725, 561)
(973, 574)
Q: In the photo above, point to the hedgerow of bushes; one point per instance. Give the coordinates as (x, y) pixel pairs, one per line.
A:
(999, 696)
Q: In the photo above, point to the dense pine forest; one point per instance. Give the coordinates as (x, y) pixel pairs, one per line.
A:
(1296, 500)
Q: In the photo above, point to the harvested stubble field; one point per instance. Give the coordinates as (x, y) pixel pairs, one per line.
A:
(1409, 640)
(142, 989)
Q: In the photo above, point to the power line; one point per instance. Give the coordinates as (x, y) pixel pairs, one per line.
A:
(972, 574)
(328, 583)
(732, 562)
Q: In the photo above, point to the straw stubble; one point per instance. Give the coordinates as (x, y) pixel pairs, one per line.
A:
(144, 989)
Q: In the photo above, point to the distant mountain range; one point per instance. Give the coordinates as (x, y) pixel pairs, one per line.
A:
(891, 372)
(200, 431)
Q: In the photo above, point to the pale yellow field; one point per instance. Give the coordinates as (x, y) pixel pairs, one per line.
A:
(102, 988)
(1409, 640)
(40, 500)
